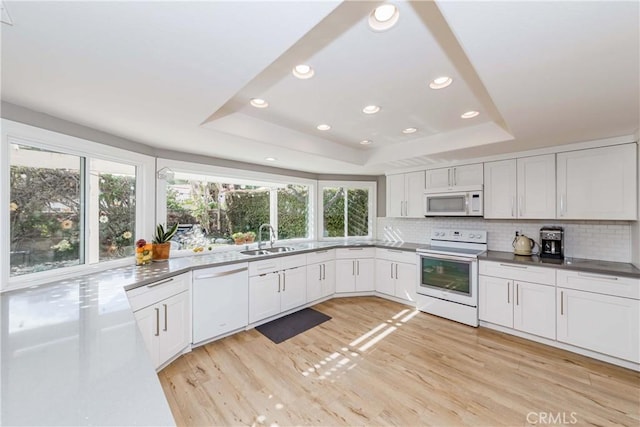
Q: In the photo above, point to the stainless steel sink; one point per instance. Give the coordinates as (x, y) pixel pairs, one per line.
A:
(256, 252)
(281, 249)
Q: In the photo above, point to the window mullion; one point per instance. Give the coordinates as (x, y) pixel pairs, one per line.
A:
(346, 212)
(273, 210)
(85, 226)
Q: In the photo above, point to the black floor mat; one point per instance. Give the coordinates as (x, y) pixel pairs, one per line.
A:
(282, 329)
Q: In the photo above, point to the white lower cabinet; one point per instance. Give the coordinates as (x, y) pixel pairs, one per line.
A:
(281, 286)
(355, 270)
(162, 311)
(321, 274)
(603, 323)
(524, 306)
(396, 273)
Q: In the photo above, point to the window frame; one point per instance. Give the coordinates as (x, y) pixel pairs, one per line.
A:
(371, 186)
(14, 132)
(236, 176)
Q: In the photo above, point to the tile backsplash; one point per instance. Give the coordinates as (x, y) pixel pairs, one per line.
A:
(601, 240)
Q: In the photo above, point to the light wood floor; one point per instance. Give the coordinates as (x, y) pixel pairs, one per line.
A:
(426, 371)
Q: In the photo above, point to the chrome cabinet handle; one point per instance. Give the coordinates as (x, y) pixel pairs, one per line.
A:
(396, 271)
(513, 266)
(284, 281)
(278, 282)
(358, 267)
(455, 177)
(324, 272)
(594, 276)
(520, 206)
(449, 177)
(561, 303)
(165, 317)
(517, 293)
(319, 271)
(160, 283)
(391, 265)
(508, 294)
(157, 321)
(353, 268)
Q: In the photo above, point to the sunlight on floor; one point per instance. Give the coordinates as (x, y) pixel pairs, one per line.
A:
(356, 347)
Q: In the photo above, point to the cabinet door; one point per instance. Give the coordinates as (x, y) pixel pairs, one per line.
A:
(345, 275)
(495, 303)
(365, 275)
(534, 310)
(500, 189)
(385, 277)
(462, 176)
(414, 193)
(294, 288)
(314, 282)
(148, 320)
(175, 322)
(438, 178)
(599, 183)
(537, 186)
(329, 278)
(602, 323)
(264, 296)
(406, 281)
(395, 195)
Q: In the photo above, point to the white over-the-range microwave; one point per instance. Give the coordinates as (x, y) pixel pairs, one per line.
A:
(463, 201)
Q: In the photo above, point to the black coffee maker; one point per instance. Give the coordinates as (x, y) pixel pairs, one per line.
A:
(552, 242)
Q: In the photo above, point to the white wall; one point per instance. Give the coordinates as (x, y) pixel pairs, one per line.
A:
(601, 240)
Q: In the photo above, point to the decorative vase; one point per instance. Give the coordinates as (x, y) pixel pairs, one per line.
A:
(161, 251)
(143, 254)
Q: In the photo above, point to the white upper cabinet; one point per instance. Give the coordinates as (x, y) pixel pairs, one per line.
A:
(598, 183)
(404, 195)
(458, 176)
(500, 189)
(522, 188)
(536, 187)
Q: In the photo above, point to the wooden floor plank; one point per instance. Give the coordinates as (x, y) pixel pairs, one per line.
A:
(377, 362)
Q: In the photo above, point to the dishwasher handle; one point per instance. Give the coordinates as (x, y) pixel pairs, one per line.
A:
(222, 274)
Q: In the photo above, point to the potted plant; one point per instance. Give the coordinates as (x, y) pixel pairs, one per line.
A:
(161, 242)
(249, 237)
(238, 238)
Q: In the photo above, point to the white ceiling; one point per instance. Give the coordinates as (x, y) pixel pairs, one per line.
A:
(179, 75)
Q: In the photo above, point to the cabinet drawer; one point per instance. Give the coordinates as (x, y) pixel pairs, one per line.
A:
(152, 293)
(293, 261)
(320, 256)
(396, 255)
(600, 283)
(355, 253)
(525, 273)
(263, 267)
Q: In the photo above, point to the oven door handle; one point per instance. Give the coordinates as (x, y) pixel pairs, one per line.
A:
(449, 257)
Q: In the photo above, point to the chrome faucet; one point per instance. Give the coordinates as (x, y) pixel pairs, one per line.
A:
(272, 235)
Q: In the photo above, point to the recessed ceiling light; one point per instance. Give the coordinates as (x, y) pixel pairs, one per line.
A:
(371, 109)
(383, 17)
(409, 130)
(270, 159)
(469, 114)
(259, 103)
(440, 82)
(366, 142)
(323, 126)
(303, 71)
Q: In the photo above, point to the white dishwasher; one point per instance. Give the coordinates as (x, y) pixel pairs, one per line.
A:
(220, 303)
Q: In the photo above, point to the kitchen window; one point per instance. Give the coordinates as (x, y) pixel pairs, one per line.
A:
(347, 209)
(71, 203)
(214, 204)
